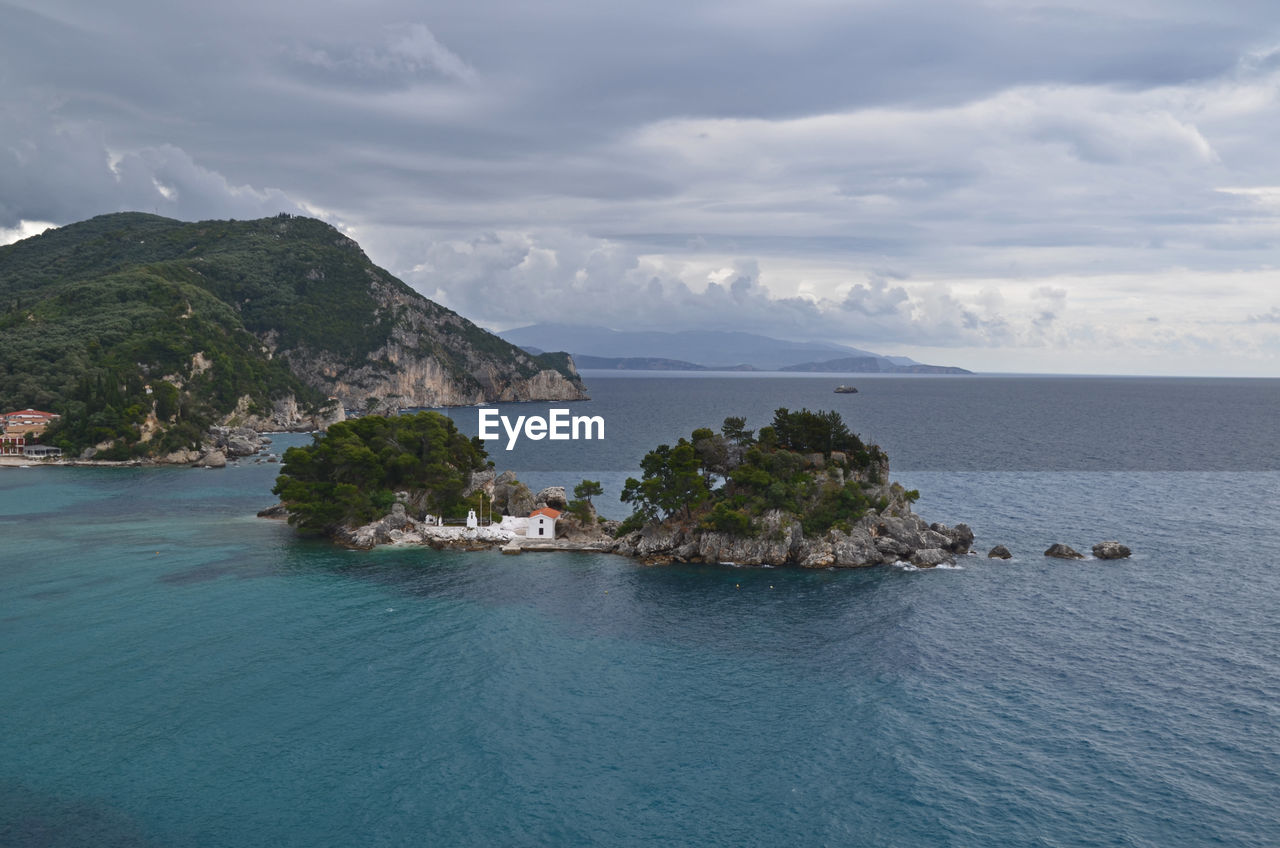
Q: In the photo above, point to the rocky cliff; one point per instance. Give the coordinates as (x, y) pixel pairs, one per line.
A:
(430, 356)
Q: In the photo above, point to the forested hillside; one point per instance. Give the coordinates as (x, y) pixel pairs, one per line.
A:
(223, 317)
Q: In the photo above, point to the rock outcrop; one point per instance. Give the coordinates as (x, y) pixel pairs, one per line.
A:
(892, 535)
(1111, 550)
(212, 459)
(1060, 551)
(510, 496)
(552, 496)
(285, 416)
(236, 441)
(431, 356)
(999, 552)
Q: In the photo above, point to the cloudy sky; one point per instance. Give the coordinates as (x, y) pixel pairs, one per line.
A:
(1074, 186)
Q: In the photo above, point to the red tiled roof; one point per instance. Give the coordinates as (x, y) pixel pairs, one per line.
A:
(547, 511)
(30, 413)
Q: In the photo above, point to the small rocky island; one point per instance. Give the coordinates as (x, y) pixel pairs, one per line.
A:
(804, 491)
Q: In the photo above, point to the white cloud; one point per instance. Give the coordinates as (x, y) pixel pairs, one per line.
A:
(24, 229)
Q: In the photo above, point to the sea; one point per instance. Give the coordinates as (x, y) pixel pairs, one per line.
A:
(175, 671)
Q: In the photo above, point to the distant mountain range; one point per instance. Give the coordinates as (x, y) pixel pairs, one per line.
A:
(873, 365)
(707, 350)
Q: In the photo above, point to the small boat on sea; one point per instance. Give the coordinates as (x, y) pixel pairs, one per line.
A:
(846, 390)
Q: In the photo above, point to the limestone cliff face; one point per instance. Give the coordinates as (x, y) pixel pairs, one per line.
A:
(285, 415)
(431, 356)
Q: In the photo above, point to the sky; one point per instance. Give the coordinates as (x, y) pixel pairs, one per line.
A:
(1076, 186)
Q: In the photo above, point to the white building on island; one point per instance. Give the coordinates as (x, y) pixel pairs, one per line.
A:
(542, 524)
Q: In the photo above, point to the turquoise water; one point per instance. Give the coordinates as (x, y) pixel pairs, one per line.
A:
(177, 672)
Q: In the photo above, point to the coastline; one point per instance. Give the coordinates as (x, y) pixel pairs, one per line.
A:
(33, 462)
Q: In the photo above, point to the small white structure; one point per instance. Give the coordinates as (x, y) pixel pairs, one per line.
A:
(472, 521)
(542, 524)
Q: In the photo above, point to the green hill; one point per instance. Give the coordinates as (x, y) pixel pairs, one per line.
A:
(247, 322)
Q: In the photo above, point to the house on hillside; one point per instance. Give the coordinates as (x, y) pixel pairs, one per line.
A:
(12, 444)
(542, 524)
(28, 422)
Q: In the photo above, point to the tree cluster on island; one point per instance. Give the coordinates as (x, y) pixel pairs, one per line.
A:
(808, 464)
(803, 491)
(351, 474)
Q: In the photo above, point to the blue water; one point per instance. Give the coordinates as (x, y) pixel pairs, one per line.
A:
(177, 672)
(936, 423)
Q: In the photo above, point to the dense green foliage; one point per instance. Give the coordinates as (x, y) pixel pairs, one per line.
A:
(88, 348)
(805, 463)
(349, 475)
(92, 312)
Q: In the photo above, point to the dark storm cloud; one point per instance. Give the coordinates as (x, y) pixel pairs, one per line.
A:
(242, 86)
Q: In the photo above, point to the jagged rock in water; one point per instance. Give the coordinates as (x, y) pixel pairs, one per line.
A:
(959, 538)
(237, 446)
(999, 552)
(1111, 550)
(931, 557)
(213, 459)
(1061, 551)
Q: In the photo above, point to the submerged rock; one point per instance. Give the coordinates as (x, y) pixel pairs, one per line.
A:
(1061, 551)
(1110, 550)
(999, 552)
